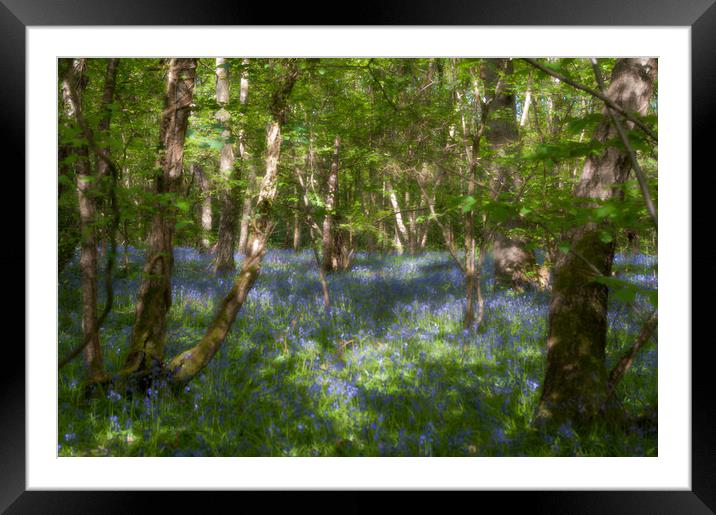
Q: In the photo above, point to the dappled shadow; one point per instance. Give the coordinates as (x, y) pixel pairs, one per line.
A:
(295, 378)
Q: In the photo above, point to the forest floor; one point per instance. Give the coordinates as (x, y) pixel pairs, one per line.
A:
(387, 371)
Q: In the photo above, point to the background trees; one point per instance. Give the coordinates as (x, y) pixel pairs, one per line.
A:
(517, 158)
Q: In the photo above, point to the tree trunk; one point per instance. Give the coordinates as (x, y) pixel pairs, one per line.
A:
(251, 176)
(68, 214)
(246, 210)
(188, 364)
(329, 263)
(206, 214)
(224, 257)
(76, 81)
(471, 276)
(401, 233)
(154, 298)
(575, 383)
(297, 223)
(512, 259)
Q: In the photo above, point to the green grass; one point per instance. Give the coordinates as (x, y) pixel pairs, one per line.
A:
(409, 381)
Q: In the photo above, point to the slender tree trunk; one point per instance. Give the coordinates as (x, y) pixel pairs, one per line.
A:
(480, 298)
(224, 257)
(471, 277)
(154, 298)
(205, 208)
(329, 263)
(246, 165)
(575, 383)
(189, 363)
(526, 105)
(314, 231)
(297, 223)
(401, 233)
(68, 214)
(75, 81)
(412, 225)
(246, 210)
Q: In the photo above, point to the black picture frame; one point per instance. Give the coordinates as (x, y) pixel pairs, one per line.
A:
(16, 15)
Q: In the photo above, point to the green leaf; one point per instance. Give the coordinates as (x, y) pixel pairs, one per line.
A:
(467, 203)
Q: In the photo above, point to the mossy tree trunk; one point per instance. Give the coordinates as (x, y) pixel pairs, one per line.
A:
(575, 383)
(154, 298)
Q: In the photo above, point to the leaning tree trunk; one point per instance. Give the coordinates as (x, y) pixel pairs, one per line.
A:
(74, 84)
(154, 298)
(189, 363)
(512, 259)
(329, 263)
(575, 383)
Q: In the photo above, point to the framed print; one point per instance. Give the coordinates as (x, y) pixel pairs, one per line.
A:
(335, 404)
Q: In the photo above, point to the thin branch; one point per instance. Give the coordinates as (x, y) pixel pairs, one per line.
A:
(626, 361)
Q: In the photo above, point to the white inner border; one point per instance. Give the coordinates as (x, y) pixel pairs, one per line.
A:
(672, 468)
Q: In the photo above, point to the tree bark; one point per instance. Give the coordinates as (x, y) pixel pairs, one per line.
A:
(512, 259)
(251, 175)
(68, 213)
(73, 87)
(154, 298)
(297, 223)
(246, 210)
(575, 383)
(205, 208)
(329, 263)
(401, 233)
(188, 364)
(224, 257)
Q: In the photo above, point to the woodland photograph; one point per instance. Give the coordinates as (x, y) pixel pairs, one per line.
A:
(400, 257)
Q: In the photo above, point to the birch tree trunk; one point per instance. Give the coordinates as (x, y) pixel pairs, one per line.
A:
(575, 383)
(154, 298)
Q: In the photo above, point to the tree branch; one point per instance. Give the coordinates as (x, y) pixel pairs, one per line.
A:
(598, 95)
